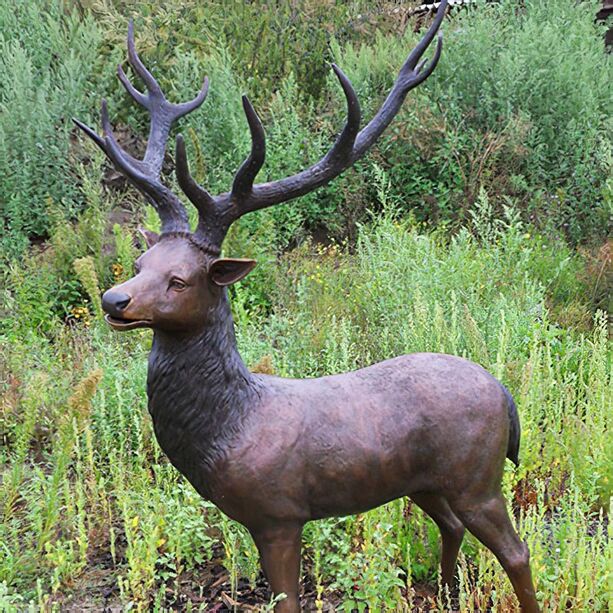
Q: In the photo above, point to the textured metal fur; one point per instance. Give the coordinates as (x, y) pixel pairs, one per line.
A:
(196, 424)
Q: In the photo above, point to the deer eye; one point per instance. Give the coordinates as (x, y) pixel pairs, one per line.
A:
(177, 284)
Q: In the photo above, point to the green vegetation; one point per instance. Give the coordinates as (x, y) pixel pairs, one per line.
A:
(46, 63)
(503, 112)
(477, 227)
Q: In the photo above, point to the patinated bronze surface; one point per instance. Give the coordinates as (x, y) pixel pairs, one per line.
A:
(274, 453)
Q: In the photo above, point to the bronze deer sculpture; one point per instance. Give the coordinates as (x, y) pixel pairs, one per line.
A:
(274, 453)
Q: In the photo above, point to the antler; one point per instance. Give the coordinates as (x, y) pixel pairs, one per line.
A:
(145, 174)
(218, 212)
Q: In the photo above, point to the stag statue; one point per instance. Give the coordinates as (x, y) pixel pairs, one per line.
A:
(275, 453)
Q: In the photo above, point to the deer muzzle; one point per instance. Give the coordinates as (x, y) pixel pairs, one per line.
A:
(115, 304)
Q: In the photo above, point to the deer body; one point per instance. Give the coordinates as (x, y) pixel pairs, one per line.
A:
(334, 445)
(275, 453)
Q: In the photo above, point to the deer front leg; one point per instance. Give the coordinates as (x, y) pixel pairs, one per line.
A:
(279, 548)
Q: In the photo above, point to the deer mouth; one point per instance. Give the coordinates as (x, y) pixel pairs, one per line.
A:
(117, 323)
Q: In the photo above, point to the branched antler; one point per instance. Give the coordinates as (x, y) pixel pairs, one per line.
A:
(352, 145)
(216, 213)
(244, 178)
(145, 174)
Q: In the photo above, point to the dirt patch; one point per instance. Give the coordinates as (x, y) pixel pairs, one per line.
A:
(209, 584)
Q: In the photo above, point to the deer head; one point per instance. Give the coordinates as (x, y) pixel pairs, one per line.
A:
(182, 274)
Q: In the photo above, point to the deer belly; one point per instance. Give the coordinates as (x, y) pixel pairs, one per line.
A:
(343, 483)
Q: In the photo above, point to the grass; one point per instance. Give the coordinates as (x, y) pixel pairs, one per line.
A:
(85, 487)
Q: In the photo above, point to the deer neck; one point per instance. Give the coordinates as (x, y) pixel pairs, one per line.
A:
(199, 392)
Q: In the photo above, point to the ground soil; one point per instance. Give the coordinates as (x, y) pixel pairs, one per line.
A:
(97, 590)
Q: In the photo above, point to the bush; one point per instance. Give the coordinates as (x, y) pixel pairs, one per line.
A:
(519, 104)
(46, 62)
(499, 111)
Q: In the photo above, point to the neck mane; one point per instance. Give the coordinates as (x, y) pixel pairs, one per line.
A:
(199, 392)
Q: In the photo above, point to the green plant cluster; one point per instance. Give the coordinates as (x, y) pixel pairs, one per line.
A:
(522, 104)
(47, 62)
(504, 110)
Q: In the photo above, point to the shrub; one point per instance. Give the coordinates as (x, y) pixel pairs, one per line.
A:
(46, 57)
(507, 108)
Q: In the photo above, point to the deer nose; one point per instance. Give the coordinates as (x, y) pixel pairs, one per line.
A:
(115, 302)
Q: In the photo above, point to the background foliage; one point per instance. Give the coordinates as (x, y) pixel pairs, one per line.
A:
(503, 112)
(477, 226)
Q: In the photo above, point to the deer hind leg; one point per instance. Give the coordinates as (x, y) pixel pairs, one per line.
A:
(489, 521)
(279, 549)
(451, 528)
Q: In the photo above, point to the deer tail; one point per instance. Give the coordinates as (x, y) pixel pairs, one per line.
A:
(514, 429)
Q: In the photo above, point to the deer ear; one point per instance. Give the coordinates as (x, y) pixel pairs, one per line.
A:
(150, 238)
(226, 271)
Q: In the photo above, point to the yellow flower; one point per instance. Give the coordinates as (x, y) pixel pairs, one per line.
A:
(117, 270)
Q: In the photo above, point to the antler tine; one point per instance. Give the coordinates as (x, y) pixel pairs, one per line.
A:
(424, 43)
(211, 227)
(198, 196)
(424, 74)
(183, 108)
(343, 146)
(130, 165)
(136, 95)
(108, 144)
(137, 64)
(245, 176)
(91, 133)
